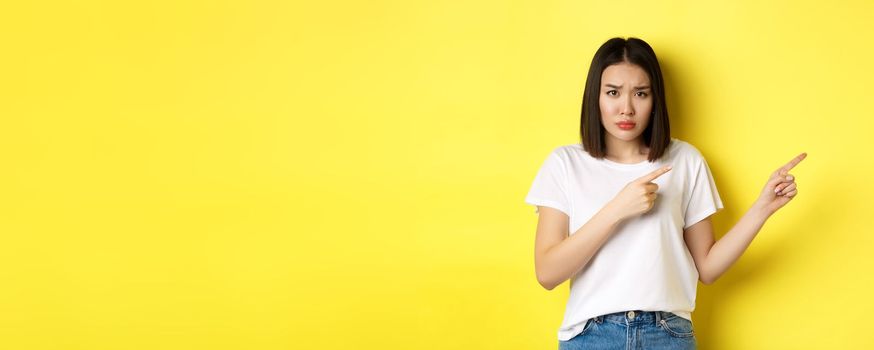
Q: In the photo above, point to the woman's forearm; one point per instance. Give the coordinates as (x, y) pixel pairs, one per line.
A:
(566, 258)
(725, 252)
(778, 191)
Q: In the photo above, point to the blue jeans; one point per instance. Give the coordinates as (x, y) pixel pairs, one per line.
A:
(634, 330)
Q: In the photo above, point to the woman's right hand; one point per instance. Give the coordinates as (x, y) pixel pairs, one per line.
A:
(637, 197)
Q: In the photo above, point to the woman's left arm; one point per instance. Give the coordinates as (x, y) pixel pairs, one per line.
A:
(713, 258)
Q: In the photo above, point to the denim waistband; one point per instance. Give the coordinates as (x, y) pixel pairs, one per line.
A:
(635, 316)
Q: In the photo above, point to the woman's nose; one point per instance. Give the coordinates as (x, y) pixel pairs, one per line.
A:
(627, 107)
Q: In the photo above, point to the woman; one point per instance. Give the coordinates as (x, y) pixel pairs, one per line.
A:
(625, 215)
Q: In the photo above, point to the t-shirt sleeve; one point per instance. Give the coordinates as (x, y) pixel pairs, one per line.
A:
(550, 185)
(703, 197)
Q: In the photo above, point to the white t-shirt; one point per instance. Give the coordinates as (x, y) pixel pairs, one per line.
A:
(645, 265)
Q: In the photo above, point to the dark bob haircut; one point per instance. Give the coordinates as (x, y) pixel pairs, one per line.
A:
(657, 135)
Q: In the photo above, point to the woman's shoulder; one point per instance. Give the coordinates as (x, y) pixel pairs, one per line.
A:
(569, 151)
(681, 149)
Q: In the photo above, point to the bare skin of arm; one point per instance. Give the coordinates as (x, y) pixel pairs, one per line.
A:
(712, 259)
(558, 256)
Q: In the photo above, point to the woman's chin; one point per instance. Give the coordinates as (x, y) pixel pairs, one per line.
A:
(626, 135)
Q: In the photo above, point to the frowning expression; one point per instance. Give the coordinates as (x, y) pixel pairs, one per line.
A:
(625, 100)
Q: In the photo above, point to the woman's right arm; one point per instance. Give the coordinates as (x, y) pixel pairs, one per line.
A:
(558, 256)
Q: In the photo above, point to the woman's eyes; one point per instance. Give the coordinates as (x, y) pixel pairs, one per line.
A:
(615, 93)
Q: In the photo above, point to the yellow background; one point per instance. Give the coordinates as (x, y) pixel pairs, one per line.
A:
(333, 175)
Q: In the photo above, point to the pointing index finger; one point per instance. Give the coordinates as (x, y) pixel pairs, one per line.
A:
(792, 163)
(655, 174)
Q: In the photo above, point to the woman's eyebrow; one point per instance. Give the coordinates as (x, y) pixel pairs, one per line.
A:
(642, 87)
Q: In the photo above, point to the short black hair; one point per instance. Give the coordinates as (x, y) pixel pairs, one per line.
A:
(657, 135)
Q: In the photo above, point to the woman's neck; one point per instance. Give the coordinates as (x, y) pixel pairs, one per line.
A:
(621, 151)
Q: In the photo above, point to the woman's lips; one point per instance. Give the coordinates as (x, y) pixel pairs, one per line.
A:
(626, 125)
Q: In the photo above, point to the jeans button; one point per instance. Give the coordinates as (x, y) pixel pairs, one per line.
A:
(631, 315)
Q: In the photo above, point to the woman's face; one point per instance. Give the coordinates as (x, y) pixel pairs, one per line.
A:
(625, 101)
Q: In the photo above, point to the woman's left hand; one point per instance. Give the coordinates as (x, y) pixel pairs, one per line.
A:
(781, 187)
